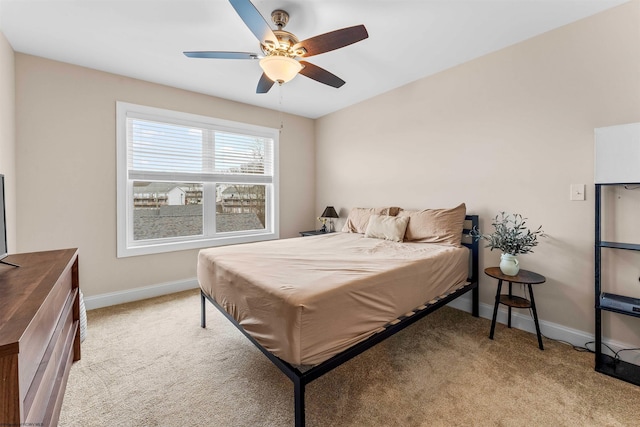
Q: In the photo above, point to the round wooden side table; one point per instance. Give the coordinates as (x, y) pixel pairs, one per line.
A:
(525, 277)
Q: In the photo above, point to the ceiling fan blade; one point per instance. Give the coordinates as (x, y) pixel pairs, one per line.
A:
(256, 22)
(332, 40)
(320, 75)
(264, 84)
(222, 55)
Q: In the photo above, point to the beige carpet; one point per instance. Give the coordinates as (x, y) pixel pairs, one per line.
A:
(150, 364)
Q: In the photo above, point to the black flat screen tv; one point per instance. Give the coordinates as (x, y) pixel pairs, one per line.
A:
(3, 222)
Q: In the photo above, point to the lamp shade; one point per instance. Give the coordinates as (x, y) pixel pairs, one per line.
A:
(329, 212)
(280, 69)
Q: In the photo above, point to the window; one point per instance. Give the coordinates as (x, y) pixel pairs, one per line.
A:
(188, 181)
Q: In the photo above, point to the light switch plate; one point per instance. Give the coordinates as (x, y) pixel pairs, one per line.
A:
(577, 192)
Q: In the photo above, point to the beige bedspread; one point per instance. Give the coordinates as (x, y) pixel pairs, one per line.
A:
(306, 299)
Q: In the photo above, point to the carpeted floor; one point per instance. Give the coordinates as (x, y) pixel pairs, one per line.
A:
(150, 364)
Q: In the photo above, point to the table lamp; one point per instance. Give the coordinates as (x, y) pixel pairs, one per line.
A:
(329, 212)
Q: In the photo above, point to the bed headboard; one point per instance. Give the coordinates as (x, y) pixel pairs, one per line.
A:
(473, 245)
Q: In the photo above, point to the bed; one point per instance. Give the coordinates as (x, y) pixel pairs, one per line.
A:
(312, 303)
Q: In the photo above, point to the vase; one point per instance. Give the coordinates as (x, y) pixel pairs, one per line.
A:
(509, 264)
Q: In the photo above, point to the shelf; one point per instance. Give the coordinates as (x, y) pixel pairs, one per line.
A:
(606, 364)
(616, 245)
(515, 301)
(615, 310)
(619, 369)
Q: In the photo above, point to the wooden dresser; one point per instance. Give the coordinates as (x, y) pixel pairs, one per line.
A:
(39, 335)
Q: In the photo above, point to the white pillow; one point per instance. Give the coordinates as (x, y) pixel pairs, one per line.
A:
(387, 227)
(359, 217)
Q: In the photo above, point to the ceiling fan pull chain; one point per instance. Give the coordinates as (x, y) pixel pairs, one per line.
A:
(280, 107)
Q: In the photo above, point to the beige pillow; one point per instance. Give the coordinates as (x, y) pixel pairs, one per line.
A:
(391, 210)
(435, 225)
(359, 218)
(387, 227)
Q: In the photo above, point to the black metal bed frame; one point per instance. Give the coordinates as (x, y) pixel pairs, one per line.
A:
(301, 378)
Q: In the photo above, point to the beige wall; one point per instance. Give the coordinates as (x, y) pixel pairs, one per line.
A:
(8, 137)
(509, 131)
(66, 154)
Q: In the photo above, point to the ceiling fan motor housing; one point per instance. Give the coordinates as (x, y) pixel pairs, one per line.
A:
(286, 40)
(280, 18)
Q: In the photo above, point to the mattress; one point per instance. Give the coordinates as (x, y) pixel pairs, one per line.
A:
(306, 299)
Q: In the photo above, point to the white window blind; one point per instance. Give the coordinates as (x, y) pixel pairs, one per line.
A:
(164, 147)
(164, 150)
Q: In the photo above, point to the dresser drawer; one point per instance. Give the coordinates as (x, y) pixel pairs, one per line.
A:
(40, 331)
(55, 357)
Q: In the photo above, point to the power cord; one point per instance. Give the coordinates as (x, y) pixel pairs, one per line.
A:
(585, 348)
(581, 349)
(616, 354)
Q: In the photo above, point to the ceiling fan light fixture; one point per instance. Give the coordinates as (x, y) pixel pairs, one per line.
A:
(280, 69)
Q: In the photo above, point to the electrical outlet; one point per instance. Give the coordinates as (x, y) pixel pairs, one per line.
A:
(577, 192)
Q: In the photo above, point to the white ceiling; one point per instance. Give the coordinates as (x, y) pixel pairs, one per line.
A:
(408, 39)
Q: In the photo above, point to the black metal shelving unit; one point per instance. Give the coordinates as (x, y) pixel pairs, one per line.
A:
(604, 363)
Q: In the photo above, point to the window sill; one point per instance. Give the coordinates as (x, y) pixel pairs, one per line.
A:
(157, 248)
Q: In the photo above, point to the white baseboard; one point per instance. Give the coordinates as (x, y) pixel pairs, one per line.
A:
(525, 322)
(130, 295)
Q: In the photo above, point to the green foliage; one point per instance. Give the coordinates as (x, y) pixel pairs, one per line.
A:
(511, 235)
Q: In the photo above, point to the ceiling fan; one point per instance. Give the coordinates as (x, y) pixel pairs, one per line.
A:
(280, 49)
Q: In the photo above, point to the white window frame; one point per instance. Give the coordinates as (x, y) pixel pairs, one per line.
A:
(127, 246)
